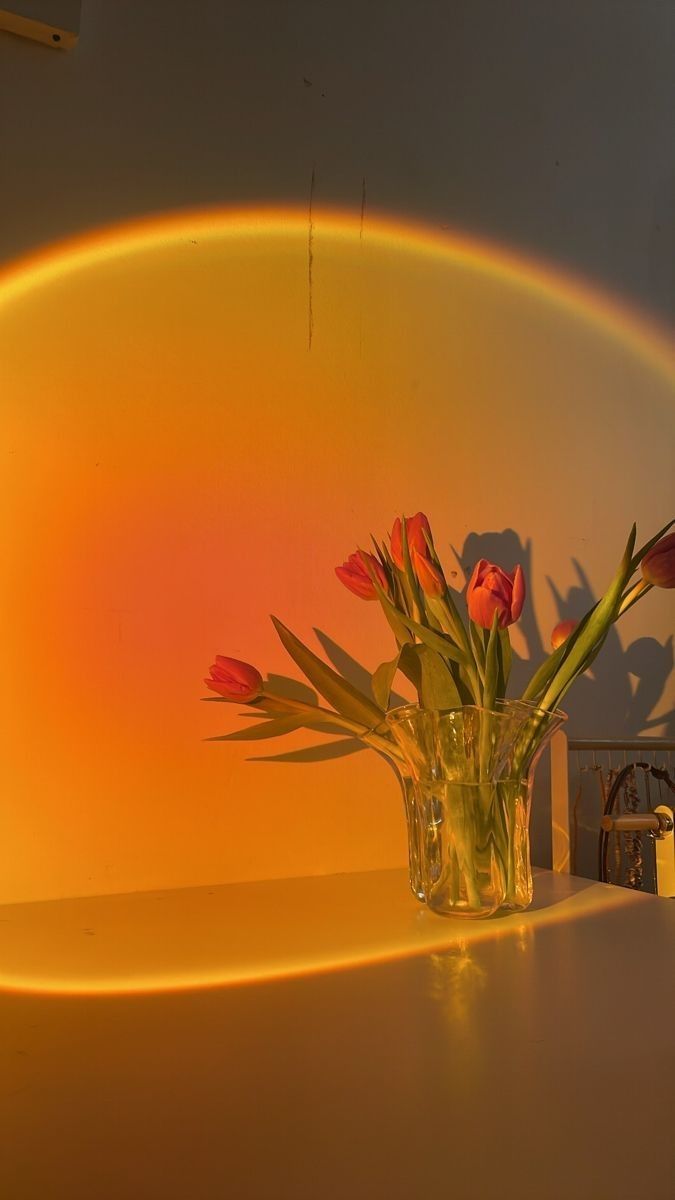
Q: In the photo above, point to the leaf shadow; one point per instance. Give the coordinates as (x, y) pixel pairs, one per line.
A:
(350, 668)
(313, 754)
(291, 689)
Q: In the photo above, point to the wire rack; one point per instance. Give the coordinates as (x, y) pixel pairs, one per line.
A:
(642, 768)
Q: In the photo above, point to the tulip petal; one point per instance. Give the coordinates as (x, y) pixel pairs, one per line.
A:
(483, 605)
(561, 632)
(476, 575)
(430, 578)
(229, 689)
(355, 577)
(518, 593)
(415, 529)
(234, 679)
(499, 582)
(658, 564)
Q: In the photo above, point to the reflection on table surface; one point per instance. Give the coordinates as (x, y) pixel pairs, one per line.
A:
(473, 1060)
(238, 933)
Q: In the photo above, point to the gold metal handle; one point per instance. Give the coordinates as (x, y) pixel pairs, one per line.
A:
(659, 822)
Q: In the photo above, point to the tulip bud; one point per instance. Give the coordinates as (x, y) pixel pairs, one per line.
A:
(428, 574)
(658, 564)
(491, 590)
(235, 680)
(355, 576)
(415, 528)
(561, 632)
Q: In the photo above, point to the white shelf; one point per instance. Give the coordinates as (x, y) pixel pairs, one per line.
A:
(530, 1056)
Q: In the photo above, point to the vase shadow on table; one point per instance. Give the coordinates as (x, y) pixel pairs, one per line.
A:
(543, 900)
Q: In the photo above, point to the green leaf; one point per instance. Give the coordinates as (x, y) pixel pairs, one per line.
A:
(440, 617)
(491, 665)
(448, 597)
(505, 659)
(627, 607)
(409, 665)
(383, 679)
(434, 640)
(383, 554)
(344, 697)
(410, 575)
(390, 610)
(478, 647)
(465, 686)
(546, 671)
(275, 705)
(582, 649)
(396, 624)
(437, 641)
(639, 555)
(431, 677)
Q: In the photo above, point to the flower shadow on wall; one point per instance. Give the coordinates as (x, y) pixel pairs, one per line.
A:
(494, 595)
(601, 704)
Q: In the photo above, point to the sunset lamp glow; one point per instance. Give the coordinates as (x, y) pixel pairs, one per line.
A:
(178, 462)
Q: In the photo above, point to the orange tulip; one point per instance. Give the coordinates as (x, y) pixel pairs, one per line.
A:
(658, 564)
(415, 528)
(235, 680)
(428, 574)
(355, 576)
(491, 590)
(561, 632)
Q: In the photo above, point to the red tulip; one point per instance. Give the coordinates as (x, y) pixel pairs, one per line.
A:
(235, 680)
(429, 576)
(491, 591)
(561, 632)
(658, 564)
(415, 528)
(355, 576)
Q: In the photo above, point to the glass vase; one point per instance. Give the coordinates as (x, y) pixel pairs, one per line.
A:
(413, 822)
(468, 799)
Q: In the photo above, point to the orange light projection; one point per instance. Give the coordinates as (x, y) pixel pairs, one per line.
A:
(177, 463)
(250, 933)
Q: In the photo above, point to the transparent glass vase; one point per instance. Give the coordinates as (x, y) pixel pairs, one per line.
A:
(414, 829)
(467, 793)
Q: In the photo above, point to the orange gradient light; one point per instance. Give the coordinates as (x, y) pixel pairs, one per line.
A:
(250, 933)
(177, 463)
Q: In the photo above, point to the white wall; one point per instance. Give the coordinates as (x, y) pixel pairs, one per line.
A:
(548, 124)
(548, 127)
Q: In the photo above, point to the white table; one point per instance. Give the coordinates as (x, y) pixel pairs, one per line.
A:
(329, 1038)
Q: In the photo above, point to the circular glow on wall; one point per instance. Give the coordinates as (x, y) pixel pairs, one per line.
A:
(178, 463)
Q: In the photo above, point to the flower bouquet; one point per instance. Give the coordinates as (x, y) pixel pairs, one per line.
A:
(464, 753)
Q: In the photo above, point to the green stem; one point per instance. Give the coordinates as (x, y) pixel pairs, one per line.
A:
(632, 596)
(443, 609)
